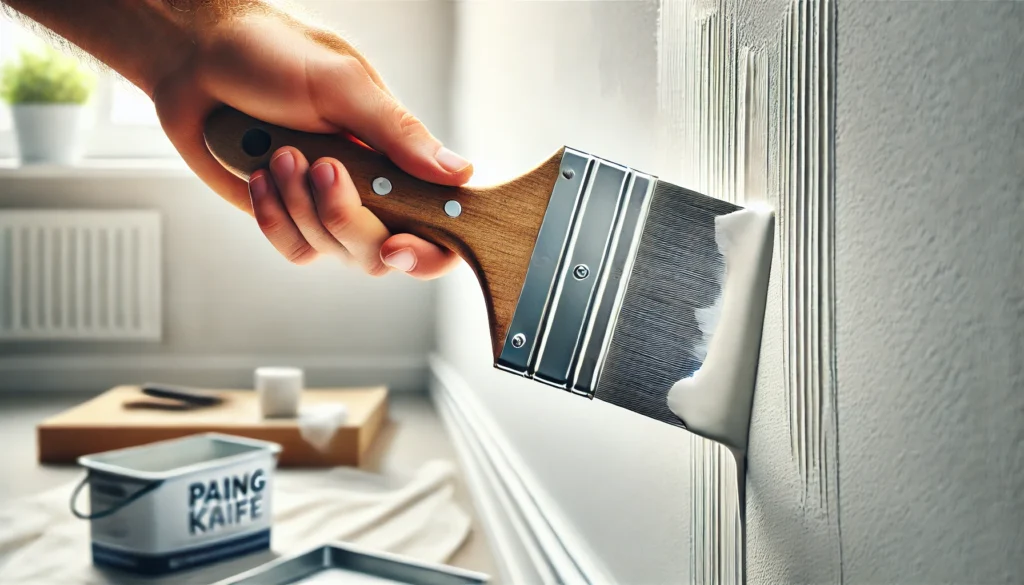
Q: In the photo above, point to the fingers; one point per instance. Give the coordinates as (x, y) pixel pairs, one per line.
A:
(289, 169)
(305, 210)
(275, 222)
(309, 210)
(416, 257)
(341, 212)
(344, 93)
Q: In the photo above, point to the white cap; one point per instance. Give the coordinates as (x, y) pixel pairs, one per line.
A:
(279, 390)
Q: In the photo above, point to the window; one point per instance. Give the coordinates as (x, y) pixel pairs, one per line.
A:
(122, 124)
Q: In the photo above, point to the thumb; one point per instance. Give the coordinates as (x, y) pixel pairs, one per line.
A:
(348, 98)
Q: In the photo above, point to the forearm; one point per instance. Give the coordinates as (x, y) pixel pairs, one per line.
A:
(143, 40)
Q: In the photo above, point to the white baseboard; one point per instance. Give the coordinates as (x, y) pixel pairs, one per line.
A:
(534, 542)
(99, 372)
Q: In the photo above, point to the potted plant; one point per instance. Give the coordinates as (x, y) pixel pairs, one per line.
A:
(48, 93)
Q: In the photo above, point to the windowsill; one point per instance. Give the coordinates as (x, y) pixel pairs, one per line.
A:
(142, 168)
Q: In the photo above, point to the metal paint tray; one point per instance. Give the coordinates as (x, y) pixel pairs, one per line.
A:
(346, 564)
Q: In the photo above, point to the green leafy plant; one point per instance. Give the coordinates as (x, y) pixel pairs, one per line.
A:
(46, 77)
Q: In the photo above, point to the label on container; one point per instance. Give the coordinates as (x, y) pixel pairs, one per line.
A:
(230, 501)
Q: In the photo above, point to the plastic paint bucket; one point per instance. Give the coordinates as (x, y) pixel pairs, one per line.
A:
(178, 504)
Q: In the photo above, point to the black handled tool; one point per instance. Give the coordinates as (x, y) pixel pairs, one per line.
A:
(174, 398)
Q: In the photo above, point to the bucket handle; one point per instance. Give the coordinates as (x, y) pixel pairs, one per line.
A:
(94, 515)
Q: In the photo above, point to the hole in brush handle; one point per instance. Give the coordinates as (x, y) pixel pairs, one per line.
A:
(256, 142)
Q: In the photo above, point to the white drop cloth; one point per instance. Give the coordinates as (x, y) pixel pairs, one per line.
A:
(41, 543)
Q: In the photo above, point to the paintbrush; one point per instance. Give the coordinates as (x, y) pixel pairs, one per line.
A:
(599, 279)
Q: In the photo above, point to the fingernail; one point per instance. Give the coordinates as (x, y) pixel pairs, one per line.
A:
(451, 162)
(323, 176)
(404, 260)
(283, 164)
(257, 185)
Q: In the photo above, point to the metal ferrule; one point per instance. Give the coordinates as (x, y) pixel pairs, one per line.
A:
(578, 273)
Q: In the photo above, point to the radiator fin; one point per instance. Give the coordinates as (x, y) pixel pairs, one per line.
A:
(80, 275)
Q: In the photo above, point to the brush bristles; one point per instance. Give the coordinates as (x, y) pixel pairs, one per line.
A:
(657, 339)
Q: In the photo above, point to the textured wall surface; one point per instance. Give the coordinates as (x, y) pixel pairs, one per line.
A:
(886, 430)
(930, 291)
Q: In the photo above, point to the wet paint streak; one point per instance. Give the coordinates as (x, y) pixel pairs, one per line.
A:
(756, 123)
(715, 95)
(716, 527)
(806, 203)
(807, 220)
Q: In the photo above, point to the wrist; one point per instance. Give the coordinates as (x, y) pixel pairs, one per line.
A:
(194, 27)
(182, 24)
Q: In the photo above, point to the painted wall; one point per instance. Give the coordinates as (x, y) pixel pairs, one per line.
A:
(231, 302)
(930, 291)
(887, 422)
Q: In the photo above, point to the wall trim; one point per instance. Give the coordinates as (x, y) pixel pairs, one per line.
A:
(93, 373)
(519, 518)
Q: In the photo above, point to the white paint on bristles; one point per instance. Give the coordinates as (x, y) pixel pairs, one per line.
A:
(715, 401)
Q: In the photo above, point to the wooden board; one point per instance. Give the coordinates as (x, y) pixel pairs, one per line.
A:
(103, 424)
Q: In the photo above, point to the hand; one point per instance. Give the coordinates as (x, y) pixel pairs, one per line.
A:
(277, 69)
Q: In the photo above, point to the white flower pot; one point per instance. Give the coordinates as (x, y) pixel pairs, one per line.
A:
(49, 133)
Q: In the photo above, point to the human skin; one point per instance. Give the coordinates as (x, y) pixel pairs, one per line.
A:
(263, 58)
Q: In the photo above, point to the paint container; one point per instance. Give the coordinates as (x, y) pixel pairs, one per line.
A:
(179, 504)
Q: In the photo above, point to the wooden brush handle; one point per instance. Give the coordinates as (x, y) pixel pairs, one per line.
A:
(494, 233)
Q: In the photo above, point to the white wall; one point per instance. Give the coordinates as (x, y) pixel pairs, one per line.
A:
(930, 289)
(231, 302)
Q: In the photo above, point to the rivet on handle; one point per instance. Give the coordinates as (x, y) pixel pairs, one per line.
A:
(453, 208)
(381, 186)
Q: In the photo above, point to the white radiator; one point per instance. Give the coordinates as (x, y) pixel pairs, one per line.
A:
(80, 275)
